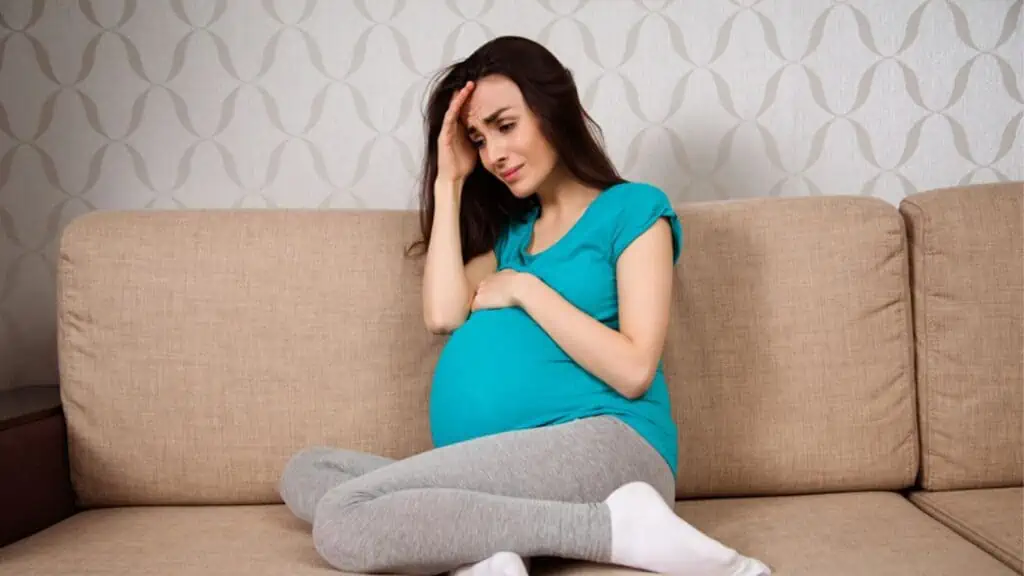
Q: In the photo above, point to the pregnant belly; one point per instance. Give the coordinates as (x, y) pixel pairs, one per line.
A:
(499, 372)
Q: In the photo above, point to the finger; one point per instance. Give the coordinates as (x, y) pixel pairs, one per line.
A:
(461, 95)
(450, 113)
(458, 99)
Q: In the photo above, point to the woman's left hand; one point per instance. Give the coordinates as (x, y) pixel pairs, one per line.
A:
(499, 290)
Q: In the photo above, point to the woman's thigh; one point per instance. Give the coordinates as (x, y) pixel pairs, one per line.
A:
(580, 461)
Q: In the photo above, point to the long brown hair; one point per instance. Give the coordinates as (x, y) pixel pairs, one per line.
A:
(549, 91)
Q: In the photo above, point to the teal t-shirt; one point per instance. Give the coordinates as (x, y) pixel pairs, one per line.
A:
(500, 371)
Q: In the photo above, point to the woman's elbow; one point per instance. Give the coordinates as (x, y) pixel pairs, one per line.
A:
(441, 323)
(639, 380)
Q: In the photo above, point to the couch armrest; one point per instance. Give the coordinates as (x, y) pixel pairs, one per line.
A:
(35, 482)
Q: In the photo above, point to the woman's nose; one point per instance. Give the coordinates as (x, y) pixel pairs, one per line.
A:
(497, 156)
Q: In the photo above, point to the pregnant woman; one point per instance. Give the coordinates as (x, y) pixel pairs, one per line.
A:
(549, 409)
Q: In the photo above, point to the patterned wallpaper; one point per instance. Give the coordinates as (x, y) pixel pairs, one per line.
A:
(163, 104)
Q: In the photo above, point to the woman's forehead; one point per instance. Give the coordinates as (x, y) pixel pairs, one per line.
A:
(491, 95)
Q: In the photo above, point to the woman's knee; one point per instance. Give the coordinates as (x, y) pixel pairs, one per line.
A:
(660, 476)
(298, 474)
(302, 463)
(343, 533)
(666, 486)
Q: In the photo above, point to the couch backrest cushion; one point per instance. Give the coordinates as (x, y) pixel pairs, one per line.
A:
(968, 282)
(199, 350)
(790, 354)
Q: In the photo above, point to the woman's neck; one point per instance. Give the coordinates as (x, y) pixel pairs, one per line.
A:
(563, 194)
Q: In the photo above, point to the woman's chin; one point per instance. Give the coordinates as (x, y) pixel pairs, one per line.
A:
(520, 189)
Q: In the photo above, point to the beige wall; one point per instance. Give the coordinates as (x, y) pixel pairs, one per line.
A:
(238, 103)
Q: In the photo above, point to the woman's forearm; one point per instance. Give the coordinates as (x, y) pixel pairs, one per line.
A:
(445, 288)
(604, 352)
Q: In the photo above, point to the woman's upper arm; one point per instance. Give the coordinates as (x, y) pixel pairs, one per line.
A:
(644, 273)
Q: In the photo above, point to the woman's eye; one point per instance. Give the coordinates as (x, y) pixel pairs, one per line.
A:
(507, 127)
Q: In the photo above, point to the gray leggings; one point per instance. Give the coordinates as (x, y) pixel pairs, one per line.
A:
(534, 492)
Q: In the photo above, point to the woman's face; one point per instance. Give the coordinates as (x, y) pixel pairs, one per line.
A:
(507, 135)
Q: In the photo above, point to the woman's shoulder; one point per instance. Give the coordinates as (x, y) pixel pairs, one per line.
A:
(636, 196)
(632, 208)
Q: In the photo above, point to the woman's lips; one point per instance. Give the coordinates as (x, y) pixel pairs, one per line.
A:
(510, 174)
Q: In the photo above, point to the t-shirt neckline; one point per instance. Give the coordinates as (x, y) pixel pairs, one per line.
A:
(532, 219)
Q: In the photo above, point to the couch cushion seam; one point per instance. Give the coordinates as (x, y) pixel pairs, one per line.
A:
(921, 340)
(959, 525)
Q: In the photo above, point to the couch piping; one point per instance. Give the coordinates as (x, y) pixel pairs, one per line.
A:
(919, 301)
(979, 539)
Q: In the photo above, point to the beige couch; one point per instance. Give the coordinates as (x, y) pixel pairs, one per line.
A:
(847, 376)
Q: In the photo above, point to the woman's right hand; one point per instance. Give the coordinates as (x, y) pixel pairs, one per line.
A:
(456, 155)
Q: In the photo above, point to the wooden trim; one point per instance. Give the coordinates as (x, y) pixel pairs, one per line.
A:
(35, 485)
(21, 406)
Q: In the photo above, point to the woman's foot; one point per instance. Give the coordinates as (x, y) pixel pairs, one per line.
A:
(647, 535)
(500, 564)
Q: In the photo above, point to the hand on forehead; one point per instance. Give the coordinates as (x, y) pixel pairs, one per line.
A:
(489, 95)
(476, 106)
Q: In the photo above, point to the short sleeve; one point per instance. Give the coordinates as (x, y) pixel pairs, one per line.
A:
(640, 206)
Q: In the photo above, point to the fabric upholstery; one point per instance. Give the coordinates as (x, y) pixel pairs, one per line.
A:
(881, 534)
(992, 518)
(789, 356)
(170, 540)
(836, 534)
(967, 255)
(200, 350)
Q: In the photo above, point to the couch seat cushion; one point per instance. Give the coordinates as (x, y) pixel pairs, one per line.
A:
(992, 518)
(855, 534)
(158, 541)
(851, 534)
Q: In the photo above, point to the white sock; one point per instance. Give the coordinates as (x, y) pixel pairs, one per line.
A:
(648, 535)
(500, 564)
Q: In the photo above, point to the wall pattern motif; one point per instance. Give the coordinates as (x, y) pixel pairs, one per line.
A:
(167, 104)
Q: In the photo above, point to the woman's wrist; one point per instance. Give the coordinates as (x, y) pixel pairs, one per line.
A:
(524, 288)
(448, 188)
